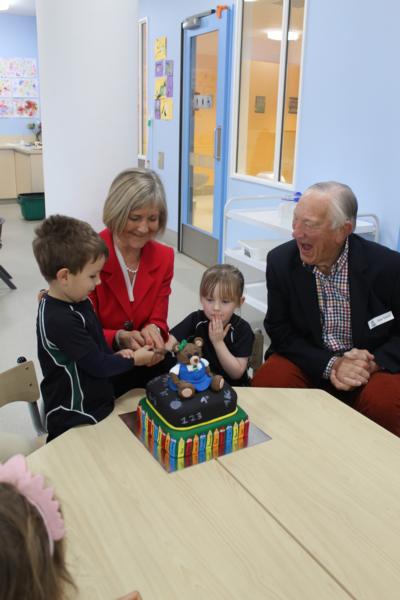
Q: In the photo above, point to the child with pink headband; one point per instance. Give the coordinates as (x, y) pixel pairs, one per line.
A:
(32, 531)
(32, 559)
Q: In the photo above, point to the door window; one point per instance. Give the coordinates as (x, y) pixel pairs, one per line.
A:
(204, 101)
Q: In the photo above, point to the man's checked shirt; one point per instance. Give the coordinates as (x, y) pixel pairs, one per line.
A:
(334, 304)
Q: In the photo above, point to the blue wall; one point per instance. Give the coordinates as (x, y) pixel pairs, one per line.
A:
(17, 39)
(349, 119)
(164, 18)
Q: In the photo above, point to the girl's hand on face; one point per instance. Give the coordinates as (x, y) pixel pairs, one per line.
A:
(217, 331)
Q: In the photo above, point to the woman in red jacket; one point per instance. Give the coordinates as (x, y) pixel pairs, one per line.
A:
(132, 301)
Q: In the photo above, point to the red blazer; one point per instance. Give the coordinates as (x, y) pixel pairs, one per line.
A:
(151, 291)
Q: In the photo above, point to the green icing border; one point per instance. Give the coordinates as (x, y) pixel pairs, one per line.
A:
(177, 434)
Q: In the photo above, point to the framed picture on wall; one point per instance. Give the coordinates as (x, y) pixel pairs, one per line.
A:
(293, 101)
(259, 104)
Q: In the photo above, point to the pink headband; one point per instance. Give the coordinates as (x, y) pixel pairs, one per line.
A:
(15, 472)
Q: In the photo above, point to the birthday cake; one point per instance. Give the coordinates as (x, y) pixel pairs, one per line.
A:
(191, 414)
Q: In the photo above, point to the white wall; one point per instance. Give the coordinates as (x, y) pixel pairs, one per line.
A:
(88, 79)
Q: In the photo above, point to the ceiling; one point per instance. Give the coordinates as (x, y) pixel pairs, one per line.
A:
(21, 7)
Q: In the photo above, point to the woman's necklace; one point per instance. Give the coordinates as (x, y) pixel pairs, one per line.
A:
(130, 270)
(133, 271)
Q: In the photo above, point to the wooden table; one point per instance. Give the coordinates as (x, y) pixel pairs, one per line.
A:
(312, 514)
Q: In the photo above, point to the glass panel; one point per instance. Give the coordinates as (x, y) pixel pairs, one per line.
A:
(143, 99)
(204, 60)
(261, 46)
(292, 90)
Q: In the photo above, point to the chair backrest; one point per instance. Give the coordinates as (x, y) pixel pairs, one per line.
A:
(257, 355)
(20, 384)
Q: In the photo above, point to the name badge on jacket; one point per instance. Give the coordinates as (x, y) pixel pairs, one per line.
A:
(380, 319)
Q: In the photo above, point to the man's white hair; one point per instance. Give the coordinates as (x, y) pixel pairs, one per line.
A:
(342, 201)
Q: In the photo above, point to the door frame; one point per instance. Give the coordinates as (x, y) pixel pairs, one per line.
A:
(208, 24)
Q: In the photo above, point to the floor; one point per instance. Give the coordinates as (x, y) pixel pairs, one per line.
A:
(18, 307)
(203, 212)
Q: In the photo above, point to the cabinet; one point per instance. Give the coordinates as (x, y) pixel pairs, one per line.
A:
(29, 172)
(7, 174)
(268, 213)
(21, 170)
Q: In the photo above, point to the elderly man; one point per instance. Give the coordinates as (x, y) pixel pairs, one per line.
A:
(334, 309)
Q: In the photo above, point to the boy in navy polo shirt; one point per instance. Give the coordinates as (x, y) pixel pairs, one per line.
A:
(75, 359)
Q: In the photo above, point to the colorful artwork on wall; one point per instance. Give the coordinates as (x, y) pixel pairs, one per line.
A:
(170, 86)
(169, 67)
(25, 108)
(164, 81)
(18, 82)
(160, 87)
(157, 113)
(6, 108)
(5, 88)
(159, 70)
(166, 109)
(18, 67)
(25, 88)
(160, 48)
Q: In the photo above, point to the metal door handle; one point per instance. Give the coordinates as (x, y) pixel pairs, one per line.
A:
(217, 143)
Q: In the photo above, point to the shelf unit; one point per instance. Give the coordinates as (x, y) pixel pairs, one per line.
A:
(270, 217)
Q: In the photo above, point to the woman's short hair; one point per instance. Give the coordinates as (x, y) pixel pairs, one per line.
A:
(134, 189)
(343, 202)
(229, 279)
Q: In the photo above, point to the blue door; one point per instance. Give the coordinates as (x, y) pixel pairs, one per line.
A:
(205, 104)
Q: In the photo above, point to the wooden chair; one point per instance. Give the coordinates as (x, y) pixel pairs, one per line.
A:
(257, 356)
(5, 275)
(20, 384)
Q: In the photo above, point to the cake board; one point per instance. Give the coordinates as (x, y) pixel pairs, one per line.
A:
(175, 463)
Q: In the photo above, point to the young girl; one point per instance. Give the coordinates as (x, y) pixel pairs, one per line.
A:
(228, 339)
(32, 561)
(32, 557)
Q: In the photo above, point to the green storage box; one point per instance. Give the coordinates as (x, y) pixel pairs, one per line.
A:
(32, 206)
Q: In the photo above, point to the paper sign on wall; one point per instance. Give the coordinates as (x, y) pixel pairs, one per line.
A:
(160, 48)
(166, 109)
(159, 70)
(164, 81)
(160, 87)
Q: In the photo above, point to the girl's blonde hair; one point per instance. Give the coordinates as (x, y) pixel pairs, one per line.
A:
(229, 279)
(134, 189)
(27, 568)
